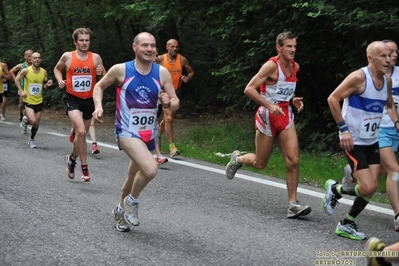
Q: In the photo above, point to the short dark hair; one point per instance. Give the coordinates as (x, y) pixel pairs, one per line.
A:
(287, 35)
(81, 31)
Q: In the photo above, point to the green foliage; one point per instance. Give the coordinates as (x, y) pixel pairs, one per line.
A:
(226, 42)
(53, 98)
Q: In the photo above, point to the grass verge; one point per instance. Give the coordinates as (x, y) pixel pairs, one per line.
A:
(204, 142)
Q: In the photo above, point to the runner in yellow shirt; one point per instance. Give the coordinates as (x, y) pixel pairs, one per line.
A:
(32, 95)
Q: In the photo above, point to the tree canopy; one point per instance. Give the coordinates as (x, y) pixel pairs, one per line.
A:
(226, 43)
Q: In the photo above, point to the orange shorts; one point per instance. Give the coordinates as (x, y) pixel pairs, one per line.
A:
(272, 125)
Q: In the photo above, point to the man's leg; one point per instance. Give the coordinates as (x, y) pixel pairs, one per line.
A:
(92, 132)
(81, 127)
(21, 108)
(259, 160)
(263, 150)
(3, 107)
(288, 142)
(168, 124)
(389, 163)
(142, 169)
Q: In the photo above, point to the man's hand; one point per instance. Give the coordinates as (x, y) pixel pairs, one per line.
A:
(346, 141)
(97, 115)
(61, 84)
(297, 102)
(164, 99)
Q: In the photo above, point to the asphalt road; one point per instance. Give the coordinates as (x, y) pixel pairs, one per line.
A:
(190, 214)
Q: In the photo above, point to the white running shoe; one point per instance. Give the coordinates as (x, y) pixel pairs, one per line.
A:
(131, 212)
(32, 144)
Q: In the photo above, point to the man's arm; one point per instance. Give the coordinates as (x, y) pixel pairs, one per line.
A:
(115, 75)
(352, 84)
(47, 83)
(61, 65)
(14, 70)
(251, 90)
(20, 76)
(186, 65)
(100, 69)
(390, 105)
(159, 60)
(168, 97)
(7, 74)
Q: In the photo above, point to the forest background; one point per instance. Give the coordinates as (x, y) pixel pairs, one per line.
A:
(226, 42)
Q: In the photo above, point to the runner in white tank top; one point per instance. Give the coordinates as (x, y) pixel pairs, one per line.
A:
(364, 92)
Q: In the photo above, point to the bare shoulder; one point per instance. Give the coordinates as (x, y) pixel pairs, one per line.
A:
(356, 76)
(354, 82)
(159, 59)
(96, 56)
(163, 70)
(117, 70)
(269, 67)
(24, 71)
(17, 67)
(66, 55)
(184, 60)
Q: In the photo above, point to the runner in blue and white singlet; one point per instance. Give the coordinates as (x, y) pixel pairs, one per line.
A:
(386, 120)
(366, 92)
(141, 83)
(363, 112)
(137, 104)
(388, 141)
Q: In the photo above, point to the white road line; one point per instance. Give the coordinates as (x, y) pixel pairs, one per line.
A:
(250, 178)
(7, 123)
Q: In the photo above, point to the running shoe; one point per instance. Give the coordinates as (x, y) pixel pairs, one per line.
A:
(94, 149)
(23, 126)
(349, 230)
(70, 167)
(174, 151)
(85, 174)
(296, 210)
(32, 144)
(2, 117)
(72, 135)
(372, 245)
(233, 165)
(121, 224)
(330, 200)
(131, 212)
(348, 179)
(161, 160)
(396, 224)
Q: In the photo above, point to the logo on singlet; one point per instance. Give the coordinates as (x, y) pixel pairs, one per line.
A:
(83, 70)
(143, 91)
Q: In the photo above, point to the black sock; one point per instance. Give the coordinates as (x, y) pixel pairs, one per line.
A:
(358, 206)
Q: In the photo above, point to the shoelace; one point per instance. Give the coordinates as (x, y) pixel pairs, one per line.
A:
(334, 201)
(71, 166)
(354, 226)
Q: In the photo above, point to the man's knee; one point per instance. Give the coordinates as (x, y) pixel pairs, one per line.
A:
(367, 189)
(168, 118)
(292, 162)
